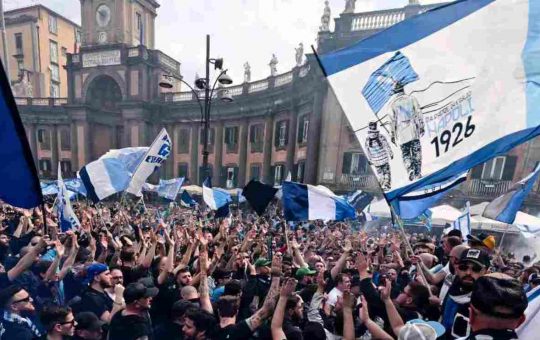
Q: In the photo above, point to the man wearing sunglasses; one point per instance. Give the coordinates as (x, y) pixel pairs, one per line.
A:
(472, 265)
(17, 305)
(58, 321)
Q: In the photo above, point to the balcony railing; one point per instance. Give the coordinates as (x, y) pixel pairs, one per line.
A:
(377, 20)
(283, 79)
(487, 188)
(41, 101)
(260, 85)
(355, 182)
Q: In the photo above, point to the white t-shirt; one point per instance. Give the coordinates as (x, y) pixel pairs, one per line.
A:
(333, 296)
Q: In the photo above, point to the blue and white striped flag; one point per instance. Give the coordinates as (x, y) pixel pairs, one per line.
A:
(214, 197)
(304, 202)
(75, 185)
(460, 71)
(169, 188)
(463, 222)
(530, 328)
(504, 208)
(186, 200)
(66, 216)
(49, 188)
(104, 177)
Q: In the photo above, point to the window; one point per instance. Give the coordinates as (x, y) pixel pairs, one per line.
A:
(64, 51)
(44, 138)
(300, 171)
(53, 49)
(183, 141)
(183, 170)
(278, 174)
(55, 73)
(55, 90)
(303, 128)
(231, 178)
(211, 134)
(282, 128)
(493, 169)
(354, 163)
(18, 44)
(231, 139)
(65, 140)
(53, 24)
(139, 21)
(65, 167)
(256, 137)
(45, 165)
(77, 36)
(255, 172)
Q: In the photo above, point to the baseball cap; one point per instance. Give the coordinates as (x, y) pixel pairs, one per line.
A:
(94, 270)
(478, 256)
(482, 239)
(438, 327)
(417, 331)
(301, 272)
(88, 321)
(262, 262)
(136, 290)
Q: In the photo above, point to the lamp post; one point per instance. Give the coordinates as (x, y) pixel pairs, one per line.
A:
(205, 103)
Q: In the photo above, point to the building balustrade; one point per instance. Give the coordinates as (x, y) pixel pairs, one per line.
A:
(487, 188)
(376, 20)
(40, 101)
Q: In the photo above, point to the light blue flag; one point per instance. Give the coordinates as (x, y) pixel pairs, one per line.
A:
(75, 185)
(463, 223)
(169, 188)
(66, 216)
(432, 96)
(131, 157)
(215, 198)
(504, 208)
(415, 203)
(104, 177)
(304, 202)
(49, 188)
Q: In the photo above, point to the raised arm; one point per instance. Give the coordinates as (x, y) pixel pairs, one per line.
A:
(169, 264)
(376, 331)
(279, 312)
(299, 259)
(396, 322)
(348, 321)
(204, 294)
(71, 258)
(258, 318)
(26, 261)
(342, 260)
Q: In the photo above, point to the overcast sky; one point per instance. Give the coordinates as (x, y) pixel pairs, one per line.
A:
(241, 30)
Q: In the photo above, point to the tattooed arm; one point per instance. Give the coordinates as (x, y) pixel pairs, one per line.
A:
(271, 298)
(204, 294)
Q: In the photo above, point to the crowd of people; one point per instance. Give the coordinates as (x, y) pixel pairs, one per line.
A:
(169, 272)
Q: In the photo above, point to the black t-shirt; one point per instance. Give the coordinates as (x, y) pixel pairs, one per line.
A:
(240, 331)
(95, 302)
(4, 281)
(132, 274)
(168, 294)
(169, 331)
(130, 327)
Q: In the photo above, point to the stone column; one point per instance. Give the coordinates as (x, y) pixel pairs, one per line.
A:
(268, 147)
(218, 149)
(54, 150)
(32, 140)
(314, 133)
(242, 159)
(194, 153)
(75, 165)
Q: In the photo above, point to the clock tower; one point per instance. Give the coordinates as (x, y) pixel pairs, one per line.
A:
(129, 22)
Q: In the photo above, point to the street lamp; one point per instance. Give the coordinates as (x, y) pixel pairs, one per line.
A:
(205, 103)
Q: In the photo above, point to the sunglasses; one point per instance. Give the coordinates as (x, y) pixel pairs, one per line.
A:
(72, 322)
(475, 267)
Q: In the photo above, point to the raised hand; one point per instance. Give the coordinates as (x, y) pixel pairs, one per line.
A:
(348, 246)
(276, 266)
(348, 300)
(361, 263)
(288, 287)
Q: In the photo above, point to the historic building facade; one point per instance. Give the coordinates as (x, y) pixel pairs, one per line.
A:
(285, 123)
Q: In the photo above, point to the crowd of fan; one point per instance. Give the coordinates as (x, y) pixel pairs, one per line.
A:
(176, 273)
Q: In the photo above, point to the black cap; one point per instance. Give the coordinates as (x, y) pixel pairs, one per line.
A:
(479, 256)
(88, 321)
(455, 232)
(136, 290)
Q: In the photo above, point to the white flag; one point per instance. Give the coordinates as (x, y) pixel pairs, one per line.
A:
(66, 216)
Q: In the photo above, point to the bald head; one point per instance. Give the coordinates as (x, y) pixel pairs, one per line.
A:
(188, 293)
(458, 250)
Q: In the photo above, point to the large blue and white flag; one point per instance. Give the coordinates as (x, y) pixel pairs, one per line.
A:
(443, 91)
(169, 188)
(463, 223)
(413, 204)
(131, 157)
(19, 182)
(104, 177)
(75, 185)
(215, 198)
(529, 231)
(530, 328)
(186, 200)
(158, 152)
(148, 187)
(304, 202)
(66, 216)
(360, 199)
(504, 208)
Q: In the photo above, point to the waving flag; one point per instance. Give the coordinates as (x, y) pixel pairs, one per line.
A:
(104, 177)
(75, 185)
(463, 222)
(49, 188)
(157, 154)
(19, 182)
(304, 202)
(259, 195)
(214, 197)
(432, 96)
(131, 157)
(66, 216)
(413, 204)
(504, 208)
(360, 199)
(169, 188)
(186, 200)
(150, 187)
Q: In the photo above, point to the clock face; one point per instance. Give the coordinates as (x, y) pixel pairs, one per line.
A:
(103, 15)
